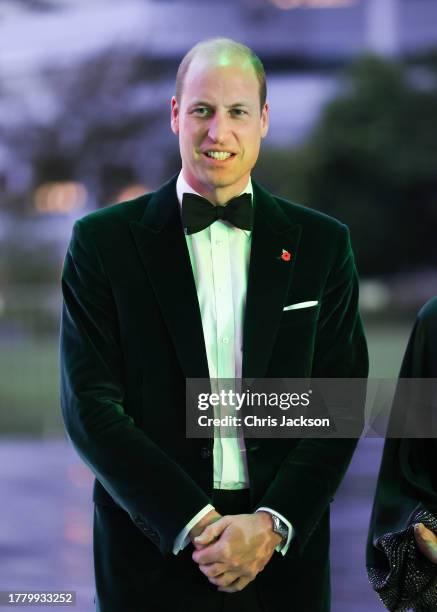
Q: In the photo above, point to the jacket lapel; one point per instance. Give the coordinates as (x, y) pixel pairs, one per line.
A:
(161, 243)
(268, 282)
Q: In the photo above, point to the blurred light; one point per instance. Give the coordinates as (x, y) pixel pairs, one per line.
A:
(78, 533)
(374, 296)
(131, 191)
(59, 197)
(80, 475)
(291, 4)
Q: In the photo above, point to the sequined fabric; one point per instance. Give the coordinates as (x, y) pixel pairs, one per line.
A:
(410, 580)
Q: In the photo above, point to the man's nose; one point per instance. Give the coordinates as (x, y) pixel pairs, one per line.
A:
(218, 127)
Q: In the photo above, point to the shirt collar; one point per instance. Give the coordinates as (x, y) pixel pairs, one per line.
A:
(183, 187)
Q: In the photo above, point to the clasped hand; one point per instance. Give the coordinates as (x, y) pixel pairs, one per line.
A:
(232, 550)
(426, 541)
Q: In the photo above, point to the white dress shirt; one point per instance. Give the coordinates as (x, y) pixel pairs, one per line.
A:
(219, 257)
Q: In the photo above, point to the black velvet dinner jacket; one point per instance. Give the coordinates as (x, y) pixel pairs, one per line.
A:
(131, 334)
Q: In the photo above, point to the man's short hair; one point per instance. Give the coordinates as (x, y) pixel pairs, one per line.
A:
(218, 44)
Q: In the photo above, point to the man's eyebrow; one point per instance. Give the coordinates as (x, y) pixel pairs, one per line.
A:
(204, 103)
(239, 104)
(200, 103)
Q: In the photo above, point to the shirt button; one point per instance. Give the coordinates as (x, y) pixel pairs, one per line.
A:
(205, 453)
(225, 340)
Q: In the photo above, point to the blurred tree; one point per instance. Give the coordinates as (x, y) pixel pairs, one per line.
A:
(371, 161)
(108, 125)
(107, 130)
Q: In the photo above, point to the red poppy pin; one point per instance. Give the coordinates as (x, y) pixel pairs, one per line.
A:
(285, 255)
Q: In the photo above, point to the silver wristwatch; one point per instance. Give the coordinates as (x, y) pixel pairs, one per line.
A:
(280, 528)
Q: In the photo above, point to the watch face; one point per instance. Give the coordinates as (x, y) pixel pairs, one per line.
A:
(279, 527)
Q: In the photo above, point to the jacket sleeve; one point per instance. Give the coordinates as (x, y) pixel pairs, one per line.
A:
(138, 475)
(308, 478)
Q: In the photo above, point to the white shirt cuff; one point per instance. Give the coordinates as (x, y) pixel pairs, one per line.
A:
(280, 548)
(183, 538)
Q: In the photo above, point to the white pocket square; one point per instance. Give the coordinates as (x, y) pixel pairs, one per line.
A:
(301, 305)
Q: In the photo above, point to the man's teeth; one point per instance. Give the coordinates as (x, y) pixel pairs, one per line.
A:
(221, 155)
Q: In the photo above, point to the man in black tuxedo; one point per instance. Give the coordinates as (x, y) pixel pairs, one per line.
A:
(255, 287)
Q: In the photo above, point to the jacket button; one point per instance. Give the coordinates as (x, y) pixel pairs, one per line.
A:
(205, 452)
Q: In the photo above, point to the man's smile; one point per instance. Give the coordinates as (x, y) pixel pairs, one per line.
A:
(218, 156)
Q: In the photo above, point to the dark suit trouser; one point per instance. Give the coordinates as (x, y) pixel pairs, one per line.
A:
(132, 576)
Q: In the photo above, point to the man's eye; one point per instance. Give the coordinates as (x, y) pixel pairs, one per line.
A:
(239, 112)
(201, 111)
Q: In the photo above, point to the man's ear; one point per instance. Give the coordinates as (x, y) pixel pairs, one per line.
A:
(264, 120)
(174, 117)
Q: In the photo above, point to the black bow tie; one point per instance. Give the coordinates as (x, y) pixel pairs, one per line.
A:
(198, 213)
